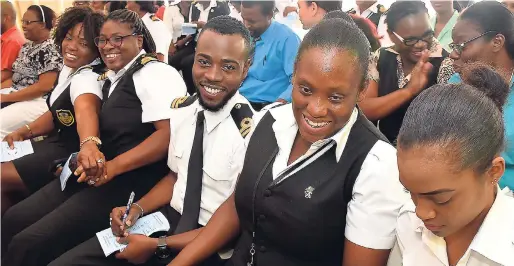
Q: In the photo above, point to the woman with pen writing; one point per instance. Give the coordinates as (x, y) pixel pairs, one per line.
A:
(134, 130)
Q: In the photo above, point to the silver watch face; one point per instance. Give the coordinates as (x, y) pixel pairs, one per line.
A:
(161, 242)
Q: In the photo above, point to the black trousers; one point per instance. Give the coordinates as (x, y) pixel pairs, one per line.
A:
(50, 222)
(90, 252)
(183, 61)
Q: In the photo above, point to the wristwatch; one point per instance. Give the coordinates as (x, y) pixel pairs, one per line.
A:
(162, 251)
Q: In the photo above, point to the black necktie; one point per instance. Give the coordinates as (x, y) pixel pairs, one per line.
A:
(191, 211)
(105, 90)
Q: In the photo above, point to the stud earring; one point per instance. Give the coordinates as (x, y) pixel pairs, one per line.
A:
(494, 181)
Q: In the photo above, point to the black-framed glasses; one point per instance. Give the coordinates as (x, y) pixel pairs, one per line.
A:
(459, 47)
(411, 41)
(115, 41)
(28, 22)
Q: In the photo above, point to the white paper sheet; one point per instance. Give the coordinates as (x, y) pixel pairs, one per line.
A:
(155, 222)
(66, 172)
(21, 148)
(189, 28)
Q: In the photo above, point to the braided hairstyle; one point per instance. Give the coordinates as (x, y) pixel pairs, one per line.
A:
(138, 27)
(91, 24)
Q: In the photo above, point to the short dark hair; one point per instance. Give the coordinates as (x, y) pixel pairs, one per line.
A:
(47, 12)
(495, 17)
(146, 6)
(116, 5)
(267, 7)
(226, 25)
(339, 34)
(138, 27)
(465, 119)
(91, 24)
(327, 5)
(339, 14)
(402, 9)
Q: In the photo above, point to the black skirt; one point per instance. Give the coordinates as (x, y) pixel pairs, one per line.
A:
(34, 169)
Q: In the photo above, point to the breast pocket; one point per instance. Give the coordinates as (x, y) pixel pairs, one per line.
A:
(220, 176)
(267, 67)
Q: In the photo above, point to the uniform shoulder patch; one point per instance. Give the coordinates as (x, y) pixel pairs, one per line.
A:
(146, 58)
(102, 77)
(154, 18)
(183, 101)
(242, 115)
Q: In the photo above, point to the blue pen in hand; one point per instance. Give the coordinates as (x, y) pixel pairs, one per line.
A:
(129, 205)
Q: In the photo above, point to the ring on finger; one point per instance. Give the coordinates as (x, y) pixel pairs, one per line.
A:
(91, 182)
(100, 160)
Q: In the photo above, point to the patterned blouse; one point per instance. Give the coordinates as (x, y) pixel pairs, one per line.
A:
(445, 71)
(34, 60)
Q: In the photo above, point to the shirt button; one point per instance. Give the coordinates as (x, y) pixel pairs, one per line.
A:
(267, 193)
(262, 249)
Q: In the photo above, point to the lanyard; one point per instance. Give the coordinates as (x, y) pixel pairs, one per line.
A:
(281, 177)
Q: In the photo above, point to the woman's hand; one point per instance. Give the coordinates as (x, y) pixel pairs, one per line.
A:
(91, 161)
(110, 170)
(11, 138)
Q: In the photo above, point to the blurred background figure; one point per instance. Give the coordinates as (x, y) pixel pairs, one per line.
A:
(447, 13)
(12, 39)
(80, 3)
(98, 6)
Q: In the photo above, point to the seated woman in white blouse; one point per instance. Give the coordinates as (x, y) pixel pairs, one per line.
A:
(451, 165)
(73, 106)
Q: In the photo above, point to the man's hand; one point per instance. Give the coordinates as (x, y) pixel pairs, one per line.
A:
(140, 248)
(117, 226)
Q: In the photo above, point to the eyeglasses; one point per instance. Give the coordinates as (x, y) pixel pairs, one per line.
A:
(459, 47)
(115, 41)
(28, 22)
(411, 41)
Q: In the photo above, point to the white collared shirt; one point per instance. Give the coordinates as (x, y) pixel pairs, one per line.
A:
(385, 41)
(84, 81)
(377, 193)
(224, 152)
(157, 85)
(493, 245)
(173, 20)
(160, 35)
(204, 12)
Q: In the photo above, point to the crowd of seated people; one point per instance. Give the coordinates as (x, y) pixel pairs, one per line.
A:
(380, 137)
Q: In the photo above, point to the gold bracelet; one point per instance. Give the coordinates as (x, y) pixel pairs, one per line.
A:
(94, 139)
(30, 130)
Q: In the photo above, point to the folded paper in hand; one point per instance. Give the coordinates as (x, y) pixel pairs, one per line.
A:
(152, 223)
(188, 28)
(21, 148)
(69, 167)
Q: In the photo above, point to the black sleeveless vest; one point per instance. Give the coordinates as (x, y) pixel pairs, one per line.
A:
(387, 67)
(121, 126)
(63, 114)
(293, 228)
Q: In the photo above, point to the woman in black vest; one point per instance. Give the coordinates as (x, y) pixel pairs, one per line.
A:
(134, 130)
(319, 185)
(74, 106)
(399, 73)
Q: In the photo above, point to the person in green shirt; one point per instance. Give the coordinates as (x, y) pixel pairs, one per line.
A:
(447, 12)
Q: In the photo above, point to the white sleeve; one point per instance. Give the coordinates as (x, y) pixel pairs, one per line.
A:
(85, 82)
(157, 85)
(257, 117)
(377, 198)
(167, 18)
(161, 37)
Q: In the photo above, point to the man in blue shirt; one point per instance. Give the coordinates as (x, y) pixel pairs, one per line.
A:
(276, 45)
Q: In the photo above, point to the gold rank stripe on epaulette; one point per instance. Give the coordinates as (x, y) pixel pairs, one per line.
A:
(154, 18)
(102, 77)
(147, 58)
(242, 115)
(183, 101)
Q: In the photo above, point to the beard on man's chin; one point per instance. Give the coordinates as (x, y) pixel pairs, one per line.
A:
(217, 107)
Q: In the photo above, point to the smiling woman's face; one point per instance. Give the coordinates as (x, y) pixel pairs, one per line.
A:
(326, 86)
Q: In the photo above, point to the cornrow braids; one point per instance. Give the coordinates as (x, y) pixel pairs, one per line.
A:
(137, 25)
(91, 24)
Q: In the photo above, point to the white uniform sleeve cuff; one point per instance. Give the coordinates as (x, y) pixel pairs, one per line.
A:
(369, 240)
